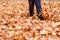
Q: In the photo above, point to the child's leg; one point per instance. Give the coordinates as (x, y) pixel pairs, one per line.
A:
(38, 6)
(39, 9)
(31, 7)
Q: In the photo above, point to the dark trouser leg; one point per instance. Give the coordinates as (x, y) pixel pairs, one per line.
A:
(31, 7)
(38, 6)
(39, 9)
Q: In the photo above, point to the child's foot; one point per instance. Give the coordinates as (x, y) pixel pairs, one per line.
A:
(31, 15)
(41, 17)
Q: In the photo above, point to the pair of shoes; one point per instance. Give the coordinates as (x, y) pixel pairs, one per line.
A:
(41, 17)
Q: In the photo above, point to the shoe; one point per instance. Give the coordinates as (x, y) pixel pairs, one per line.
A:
(41, 17)
(31, 15)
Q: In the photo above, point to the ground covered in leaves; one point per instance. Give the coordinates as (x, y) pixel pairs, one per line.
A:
(15, 23)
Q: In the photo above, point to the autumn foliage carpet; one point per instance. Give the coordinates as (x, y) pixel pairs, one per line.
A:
(15, 23)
